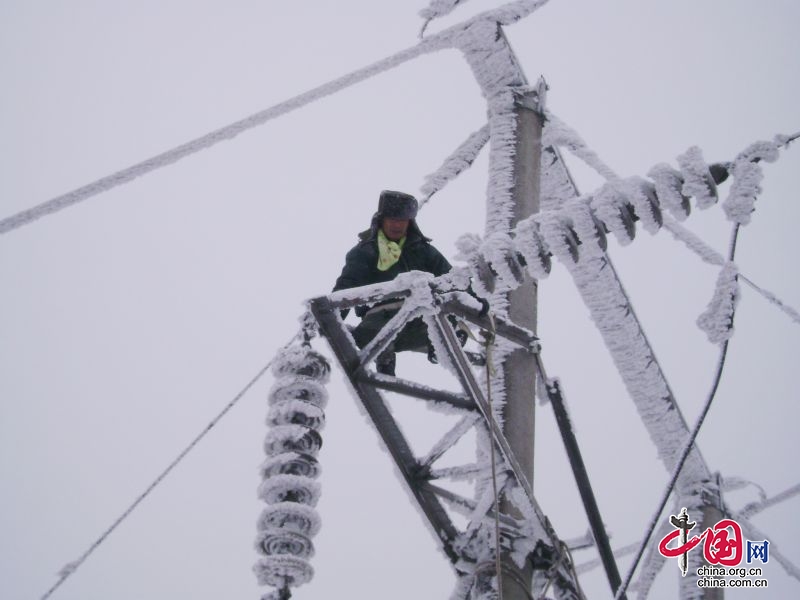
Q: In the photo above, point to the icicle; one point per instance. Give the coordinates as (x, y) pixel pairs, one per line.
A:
(717, 320)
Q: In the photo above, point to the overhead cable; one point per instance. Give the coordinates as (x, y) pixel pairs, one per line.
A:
(73, 566)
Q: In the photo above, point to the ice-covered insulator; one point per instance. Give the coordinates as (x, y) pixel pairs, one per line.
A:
(290, 463)
(698, 181)
(498, 250)
(289, 488)
(529, 244)
(283, 570)
(296, 412)
(744, 190)
(292, 438)
(614, 210)
(277, 541)
(642, 195)
(668, 185)
(303, 361)
(559, 235)
(587, 226)
(307, 390)
(290, 516)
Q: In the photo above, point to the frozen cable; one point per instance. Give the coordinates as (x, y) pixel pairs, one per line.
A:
(210, 139)
(711, 256)
(70, 568)
(504, 15)
(687, 448)
(756, 507)
(793, 314)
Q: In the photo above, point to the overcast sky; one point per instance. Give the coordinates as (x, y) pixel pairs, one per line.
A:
(128, 321)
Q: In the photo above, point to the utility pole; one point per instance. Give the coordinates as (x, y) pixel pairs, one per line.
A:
(519, 368)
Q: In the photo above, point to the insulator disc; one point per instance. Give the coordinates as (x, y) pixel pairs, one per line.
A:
(276, 541)
(296, 412)
(668, 185)
(289, 488)
(290, 516)
(626, 214)
(529, 244)
(645, 204)
(303, 361)
(283, 570)
(292, 438)
(290, 463)
(307, 390)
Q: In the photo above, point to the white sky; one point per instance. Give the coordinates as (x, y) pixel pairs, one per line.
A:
(129, 321)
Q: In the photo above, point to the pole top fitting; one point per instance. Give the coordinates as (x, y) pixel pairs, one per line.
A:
(533, 98)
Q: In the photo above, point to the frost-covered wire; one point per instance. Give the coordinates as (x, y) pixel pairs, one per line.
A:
(71, 567)
(687, 447)
(455, 164)
(756, 507)
(435, 10)
(450, 37)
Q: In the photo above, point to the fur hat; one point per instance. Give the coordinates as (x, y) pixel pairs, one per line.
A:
(397, 205)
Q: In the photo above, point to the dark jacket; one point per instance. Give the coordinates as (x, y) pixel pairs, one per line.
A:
(361, 262)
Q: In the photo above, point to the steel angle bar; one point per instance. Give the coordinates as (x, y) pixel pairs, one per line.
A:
(410, 388)
(581, 479)
(387, 333)
(471, 505)
(473, 389)
(368, 294)
(346, 353)
(506, 329)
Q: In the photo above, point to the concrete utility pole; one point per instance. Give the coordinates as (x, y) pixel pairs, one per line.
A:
(519, 368)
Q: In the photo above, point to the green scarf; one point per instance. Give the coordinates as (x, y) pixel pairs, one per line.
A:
(388, 251)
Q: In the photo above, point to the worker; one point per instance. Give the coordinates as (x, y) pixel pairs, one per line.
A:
(392, 245)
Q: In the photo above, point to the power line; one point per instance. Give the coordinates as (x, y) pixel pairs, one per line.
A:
(686, 448)
(68, 570)
(507, 14)
(211, 139)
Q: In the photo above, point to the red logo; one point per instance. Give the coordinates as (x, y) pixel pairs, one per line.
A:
(723, 543)
(719, 548)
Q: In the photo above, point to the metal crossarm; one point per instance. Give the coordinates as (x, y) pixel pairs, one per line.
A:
(438, 309)
(345, 351)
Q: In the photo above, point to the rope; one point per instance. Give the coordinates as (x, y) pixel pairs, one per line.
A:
(686, 448)
(67, 571)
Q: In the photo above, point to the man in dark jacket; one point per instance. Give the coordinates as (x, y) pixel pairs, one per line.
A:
(392, 245)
